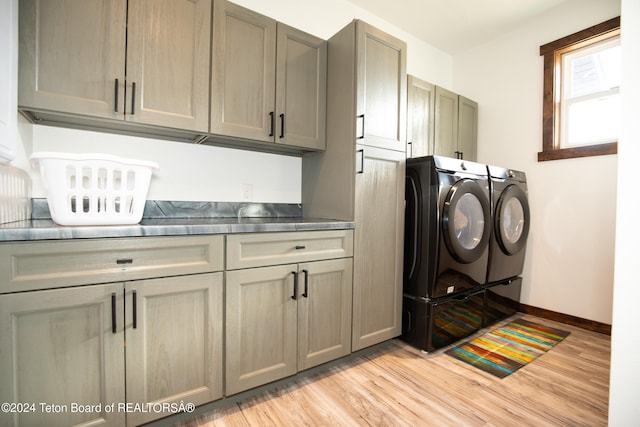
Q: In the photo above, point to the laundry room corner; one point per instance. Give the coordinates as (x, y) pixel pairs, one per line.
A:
(570, 252)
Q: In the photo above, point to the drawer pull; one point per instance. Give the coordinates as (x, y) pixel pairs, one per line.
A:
(113, 313)
(306, 283)
(298, 247)
(295, 285)
(135, 309)
(115, 102)
(272, 123)
(124, 261)
(281, 125)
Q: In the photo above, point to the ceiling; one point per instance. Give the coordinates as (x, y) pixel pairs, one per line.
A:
(456, 25)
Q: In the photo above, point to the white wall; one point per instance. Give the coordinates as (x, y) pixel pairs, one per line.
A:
(8, 75)
(625, 340)
(324, 18)
(570, 252)
(202, 173)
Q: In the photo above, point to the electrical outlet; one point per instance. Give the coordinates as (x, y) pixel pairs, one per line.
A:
(247, 192)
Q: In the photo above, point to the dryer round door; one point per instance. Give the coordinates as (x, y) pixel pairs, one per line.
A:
(466, 221)
(512, 220)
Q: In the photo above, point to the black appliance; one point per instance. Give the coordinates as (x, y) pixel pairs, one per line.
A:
(511, 221)
(447, 231)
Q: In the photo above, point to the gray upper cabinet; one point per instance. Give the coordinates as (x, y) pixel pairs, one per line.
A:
(73, 53)
(301, 89)
(467, 128)
(168, 63)
(456, 125)
(243, 73)
(446, 122)
(420, 117)
(268, 80)
(72, 56)
(382, 87)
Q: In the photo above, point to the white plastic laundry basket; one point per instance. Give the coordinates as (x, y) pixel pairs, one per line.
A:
(94, 189)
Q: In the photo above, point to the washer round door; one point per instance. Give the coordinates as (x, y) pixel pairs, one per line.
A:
(466, 221)
(512, 220)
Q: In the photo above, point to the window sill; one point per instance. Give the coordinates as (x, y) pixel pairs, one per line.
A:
(587, 151)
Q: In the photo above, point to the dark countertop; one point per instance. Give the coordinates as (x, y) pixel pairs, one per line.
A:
(44, 229)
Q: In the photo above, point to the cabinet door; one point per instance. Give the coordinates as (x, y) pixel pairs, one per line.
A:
(174, 342)
(57, 347)
(381, 88)
(260, 326)
(243, 73)
(72, 56)
(468, 128)
(168, 48)
(446, 123)
(301, 89)
(420, 117)
(377, 279)
(324, 311)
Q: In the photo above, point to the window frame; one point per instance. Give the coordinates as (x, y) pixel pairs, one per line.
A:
(551, 111)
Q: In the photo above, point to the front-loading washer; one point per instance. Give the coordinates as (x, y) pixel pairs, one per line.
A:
(447, 226)
(510, 223)
(447, 230)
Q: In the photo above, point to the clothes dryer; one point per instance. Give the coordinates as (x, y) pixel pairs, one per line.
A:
(511, 221)
(447, 226)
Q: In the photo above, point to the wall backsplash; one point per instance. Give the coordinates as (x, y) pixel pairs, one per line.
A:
(159, 209)
(15, 194)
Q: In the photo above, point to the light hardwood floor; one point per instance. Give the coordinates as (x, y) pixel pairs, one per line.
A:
(401, 386)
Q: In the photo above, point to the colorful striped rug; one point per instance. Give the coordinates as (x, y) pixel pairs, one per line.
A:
(504, 350)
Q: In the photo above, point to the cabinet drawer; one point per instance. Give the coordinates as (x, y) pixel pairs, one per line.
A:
(50, 264)
(262, 249)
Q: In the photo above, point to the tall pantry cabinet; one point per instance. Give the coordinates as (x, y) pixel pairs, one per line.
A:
(360, 176)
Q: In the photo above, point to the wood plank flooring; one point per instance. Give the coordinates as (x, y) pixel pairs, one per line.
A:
(401, 386)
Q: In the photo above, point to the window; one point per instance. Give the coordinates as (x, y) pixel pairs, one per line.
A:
(581, 99)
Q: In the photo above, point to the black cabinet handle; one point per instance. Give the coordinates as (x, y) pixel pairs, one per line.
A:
(282, 125)
(306, 283)
(271, 114)
(295, 285)
(135, 309)
(133, 98)
(115, 96)
(124, 261)
(299, 247)
(361, 136)
(361, 152)
(113, 313)
(410, 151)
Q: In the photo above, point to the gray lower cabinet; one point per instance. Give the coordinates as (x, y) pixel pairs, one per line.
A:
(57, 347)
(174, 344)
(73, 54)
(282, 319)
(268, 80)
(379, 240)
(66, 346)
